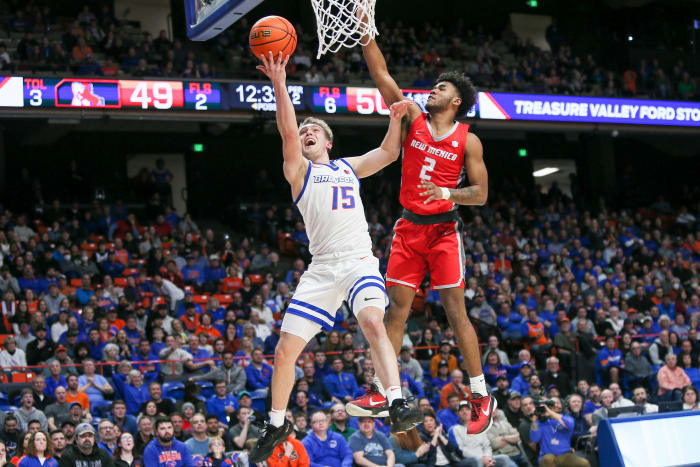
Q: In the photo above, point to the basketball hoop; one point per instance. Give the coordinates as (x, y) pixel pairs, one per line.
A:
(343, 23)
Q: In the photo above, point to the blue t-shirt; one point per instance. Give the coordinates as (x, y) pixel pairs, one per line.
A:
(198, 448)
(216, 406)
(374, 448)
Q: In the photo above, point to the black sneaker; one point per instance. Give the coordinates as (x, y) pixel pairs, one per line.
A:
(403, 416)
(270, 437)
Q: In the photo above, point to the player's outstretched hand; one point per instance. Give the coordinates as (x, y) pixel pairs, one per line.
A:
(430, 191)
(398, 109)
(274, 67)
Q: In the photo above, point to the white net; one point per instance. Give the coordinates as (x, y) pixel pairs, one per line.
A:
(343, 23)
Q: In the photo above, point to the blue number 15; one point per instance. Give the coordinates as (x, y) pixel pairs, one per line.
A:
(348, 200)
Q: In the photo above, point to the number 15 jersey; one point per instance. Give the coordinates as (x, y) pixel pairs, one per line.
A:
(439, 160)
(332, 209)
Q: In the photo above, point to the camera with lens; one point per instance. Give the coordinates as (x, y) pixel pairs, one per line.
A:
(540, 405)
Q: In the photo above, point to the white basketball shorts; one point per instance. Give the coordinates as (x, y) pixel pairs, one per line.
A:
(329, 280)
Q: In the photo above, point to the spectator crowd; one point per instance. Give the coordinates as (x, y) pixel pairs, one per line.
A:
(96, 43)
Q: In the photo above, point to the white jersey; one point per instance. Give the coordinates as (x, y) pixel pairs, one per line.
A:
(332, 209)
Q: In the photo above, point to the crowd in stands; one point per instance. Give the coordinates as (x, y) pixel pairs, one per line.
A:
(95, 43)
(137, 329)
(124, 328)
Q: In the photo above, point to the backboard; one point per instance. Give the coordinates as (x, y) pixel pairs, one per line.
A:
(207, 18)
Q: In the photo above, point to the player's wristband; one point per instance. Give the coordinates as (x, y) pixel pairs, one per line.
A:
(445, 193)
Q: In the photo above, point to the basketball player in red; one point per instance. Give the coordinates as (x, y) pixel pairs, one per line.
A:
(437, 151)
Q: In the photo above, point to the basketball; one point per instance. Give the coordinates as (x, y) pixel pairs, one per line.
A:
(272, 34)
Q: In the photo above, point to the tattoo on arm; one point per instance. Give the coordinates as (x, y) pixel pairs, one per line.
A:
(467, 195)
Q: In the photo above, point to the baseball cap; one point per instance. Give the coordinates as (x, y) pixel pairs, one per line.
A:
(84, 428)
(565, 320)
(406, 349)
(74, 404)
(445, 343)
(61, 348)
(464, 404)
(244, 393)
(213, 257)
(514, 395)
(442, 363)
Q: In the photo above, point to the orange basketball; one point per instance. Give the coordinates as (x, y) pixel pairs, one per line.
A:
(272, 34)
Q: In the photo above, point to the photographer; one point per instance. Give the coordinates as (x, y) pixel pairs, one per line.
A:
(553, 432)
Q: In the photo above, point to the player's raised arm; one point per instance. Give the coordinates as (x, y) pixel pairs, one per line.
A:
(294, 163)
(376, 159)
(379, 72)
(477, 192)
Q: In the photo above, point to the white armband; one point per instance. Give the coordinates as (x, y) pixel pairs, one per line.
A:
(445, 193)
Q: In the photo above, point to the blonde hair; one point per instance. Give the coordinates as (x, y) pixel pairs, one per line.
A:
(319, 122)
(215, 438)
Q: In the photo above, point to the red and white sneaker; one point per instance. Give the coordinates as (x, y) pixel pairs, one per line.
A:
(483, 409)
(372, 404)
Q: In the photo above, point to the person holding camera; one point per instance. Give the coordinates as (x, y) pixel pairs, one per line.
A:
(553, 431)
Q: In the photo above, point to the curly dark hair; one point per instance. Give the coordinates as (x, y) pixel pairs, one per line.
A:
(464, 86)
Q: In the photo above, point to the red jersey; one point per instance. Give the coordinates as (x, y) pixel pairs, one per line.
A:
(439, 160)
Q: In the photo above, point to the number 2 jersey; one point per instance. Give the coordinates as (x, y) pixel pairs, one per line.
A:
(439, 160)
(332, 209)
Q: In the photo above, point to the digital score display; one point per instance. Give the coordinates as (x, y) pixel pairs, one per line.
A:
(121, 94)
(201, 95)
(261, 97)
(363, 101)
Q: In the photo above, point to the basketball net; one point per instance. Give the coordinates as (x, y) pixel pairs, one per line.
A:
(343, 23)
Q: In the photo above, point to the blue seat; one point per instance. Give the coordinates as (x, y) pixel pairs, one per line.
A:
(174, 390)
(100, 409)
(207, 389)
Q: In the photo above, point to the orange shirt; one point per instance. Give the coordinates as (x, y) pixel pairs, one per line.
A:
(298, 458)
(79, 53)
(122, 256)
(448, 389)
(211, 331)
(79, 397)
(435, 362)
(118, 323)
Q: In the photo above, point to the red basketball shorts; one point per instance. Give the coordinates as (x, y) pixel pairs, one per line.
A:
(434, 248)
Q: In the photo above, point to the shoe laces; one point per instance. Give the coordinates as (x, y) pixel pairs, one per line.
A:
(476, 407)
(407, 400)
(265, 429)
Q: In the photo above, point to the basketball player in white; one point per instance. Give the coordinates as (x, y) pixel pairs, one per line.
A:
(343, 268)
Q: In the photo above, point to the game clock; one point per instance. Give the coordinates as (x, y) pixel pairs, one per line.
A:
(261, 97)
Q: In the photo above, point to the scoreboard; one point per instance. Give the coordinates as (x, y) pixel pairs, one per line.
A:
(120, 94)
(211, 96)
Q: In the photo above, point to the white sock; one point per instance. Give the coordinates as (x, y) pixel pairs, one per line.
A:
(393, 393)
(277, 417)
(378, 383)
(477, 385)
